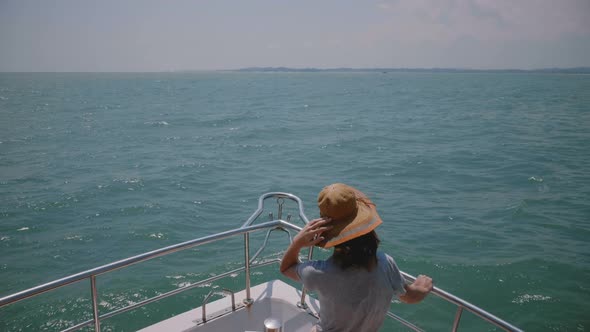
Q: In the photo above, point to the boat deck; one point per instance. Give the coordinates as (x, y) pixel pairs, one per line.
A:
(274, 299)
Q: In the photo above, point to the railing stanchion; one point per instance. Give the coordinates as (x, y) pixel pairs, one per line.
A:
(301, 303)
(457, 318)
(95, 303)
(248, 300)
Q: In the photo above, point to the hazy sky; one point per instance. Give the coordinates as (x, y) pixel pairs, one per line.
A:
(143, 35)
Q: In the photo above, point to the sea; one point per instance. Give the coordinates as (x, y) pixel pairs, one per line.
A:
(481, 179)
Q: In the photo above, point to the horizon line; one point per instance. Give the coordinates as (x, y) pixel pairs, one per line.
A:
(286, 68)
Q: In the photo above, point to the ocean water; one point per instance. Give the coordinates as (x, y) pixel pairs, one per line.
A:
(481, 179)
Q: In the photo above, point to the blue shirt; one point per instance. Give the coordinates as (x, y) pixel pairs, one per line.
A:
(353, 299)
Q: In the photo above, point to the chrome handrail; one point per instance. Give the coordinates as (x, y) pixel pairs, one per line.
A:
(462, 304)
(265, 242)
(247, 228)
(280, 196)
(137, 259)
(168, 294)
(211, 293)
(263, 197)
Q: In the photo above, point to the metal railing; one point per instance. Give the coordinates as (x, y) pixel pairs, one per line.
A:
(245, 230)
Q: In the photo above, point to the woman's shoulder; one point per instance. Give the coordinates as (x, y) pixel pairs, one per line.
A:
(318, 265)
(384, 258)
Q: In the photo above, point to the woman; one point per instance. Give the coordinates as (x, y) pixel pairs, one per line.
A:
(356, 284)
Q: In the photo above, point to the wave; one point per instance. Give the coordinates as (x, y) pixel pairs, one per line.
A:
(156, 123)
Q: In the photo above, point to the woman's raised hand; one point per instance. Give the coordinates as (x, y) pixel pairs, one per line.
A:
(311, 234)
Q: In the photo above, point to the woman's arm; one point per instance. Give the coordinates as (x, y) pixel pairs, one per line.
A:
(309, 236)
(418, 290)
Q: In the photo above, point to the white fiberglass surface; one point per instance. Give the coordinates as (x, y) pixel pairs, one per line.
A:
(252, 318)
(274, 299)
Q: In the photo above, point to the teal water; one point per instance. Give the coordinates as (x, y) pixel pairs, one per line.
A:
(481, 180)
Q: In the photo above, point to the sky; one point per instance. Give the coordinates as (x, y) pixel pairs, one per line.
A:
(148, 35)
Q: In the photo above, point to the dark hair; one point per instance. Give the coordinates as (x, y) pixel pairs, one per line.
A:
(358, 252)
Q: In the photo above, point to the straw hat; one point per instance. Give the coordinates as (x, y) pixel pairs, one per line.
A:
(352, 213)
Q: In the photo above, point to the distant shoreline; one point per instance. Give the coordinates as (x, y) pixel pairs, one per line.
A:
(574, 70)
(571, 70)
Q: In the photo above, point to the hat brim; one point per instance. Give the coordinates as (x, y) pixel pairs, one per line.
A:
(364, 221)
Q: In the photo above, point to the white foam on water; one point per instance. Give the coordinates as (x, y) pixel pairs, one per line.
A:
(105, 304)
(530, 298)
(156, 123)
(23, 229)
(175, 277)
(131, 180)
